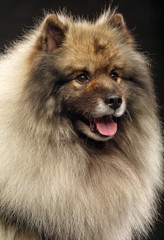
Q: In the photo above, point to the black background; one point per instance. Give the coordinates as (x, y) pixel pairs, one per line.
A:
(143, 17)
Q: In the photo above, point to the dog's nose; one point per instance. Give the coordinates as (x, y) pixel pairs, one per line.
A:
(113, 101)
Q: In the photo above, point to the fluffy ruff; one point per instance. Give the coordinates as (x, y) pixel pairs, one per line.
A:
(80, 141)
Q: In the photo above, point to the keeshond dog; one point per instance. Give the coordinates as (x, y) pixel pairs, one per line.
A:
(80, 143)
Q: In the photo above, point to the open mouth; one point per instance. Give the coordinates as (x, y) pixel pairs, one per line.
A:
(105, 126)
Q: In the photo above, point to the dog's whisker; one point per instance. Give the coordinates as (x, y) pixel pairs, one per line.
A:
(128, 116)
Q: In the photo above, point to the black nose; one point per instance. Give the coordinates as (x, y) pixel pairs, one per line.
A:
(114, 101)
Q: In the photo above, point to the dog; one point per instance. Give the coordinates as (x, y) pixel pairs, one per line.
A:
(80, 142)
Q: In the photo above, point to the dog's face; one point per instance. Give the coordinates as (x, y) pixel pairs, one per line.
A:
(89, 72)
(93, 95)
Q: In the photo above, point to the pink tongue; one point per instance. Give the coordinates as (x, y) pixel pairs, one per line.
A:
(106, 126)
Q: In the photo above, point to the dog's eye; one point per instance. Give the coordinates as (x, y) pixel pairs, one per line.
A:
(114, 76)
(82, 78)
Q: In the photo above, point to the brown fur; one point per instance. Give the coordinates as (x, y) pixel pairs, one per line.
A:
(58, 179)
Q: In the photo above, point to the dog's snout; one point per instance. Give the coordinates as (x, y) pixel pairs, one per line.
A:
(113, 101)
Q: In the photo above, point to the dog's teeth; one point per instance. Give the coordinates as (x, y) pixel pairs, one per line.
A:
(92, 125)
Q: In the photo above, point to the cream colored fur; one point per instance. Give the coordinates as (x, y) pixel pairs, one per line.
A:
(94, 197)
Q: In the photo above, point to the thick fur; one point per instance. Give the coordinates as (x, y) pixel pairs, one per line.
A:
(58, 179)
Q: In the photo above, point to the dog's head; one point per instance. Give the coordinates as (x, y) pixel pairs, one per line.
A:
(88, 72)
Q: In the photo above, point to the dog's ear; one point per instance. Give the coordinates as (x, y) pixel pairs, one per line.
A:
(117, 21)
(52, 33)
